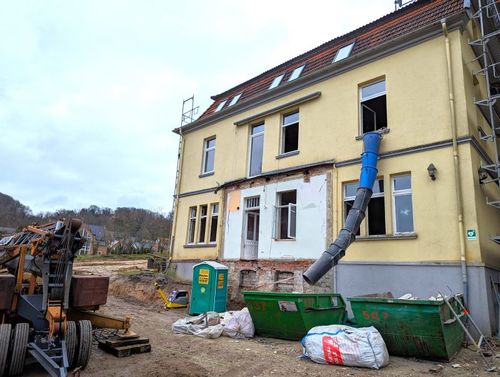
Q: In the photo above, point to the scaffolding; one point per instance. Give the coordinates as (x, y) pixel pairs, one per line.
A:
(487, 50)
(189, 112)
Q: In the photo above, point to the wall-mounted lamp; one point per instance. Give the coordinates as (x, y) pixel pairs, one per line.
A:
(431, 170)
(483, 175)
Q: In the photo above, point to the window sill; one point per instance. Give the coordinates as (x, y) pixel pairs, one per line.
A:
(382, 131)
(284, 239)
(199, 245)
(385, 237)
(287, 154)
(203, 175)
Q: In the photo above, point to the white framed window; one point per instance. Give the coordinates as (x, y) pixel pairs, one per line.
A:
(191, 225)
(202, 230)
(402, 206)
(296, 73)
(343, 53)
(235, 99)
(286, 215)
(214, 221)
(375, 213)
(208, 155)
(220, 106)
(256, 150)
(276, 81)
(252, 218)
(349, 196)
(290, 132)
(372, 107)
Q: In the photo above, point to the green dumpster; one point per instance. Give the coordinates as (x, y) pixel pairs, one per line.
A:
(292, 315)
(416, 328)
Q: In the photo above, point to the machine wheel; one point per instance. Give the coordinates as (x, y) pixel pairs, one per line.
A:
(5, 331)
(71, 339)
(18, 349)
(84, 343)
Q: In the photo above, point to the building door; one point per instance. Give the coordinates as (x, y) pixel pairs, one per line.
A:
(250, 232)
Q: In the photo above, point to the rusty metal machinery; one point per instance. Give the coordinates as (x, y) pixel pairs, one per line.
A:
(36, 272)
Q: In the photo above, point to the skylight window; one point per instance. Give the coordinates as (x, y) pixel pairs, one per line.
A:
(343, 53)
(221, 105)
(276, 81)
(235, 99)
(296, 73)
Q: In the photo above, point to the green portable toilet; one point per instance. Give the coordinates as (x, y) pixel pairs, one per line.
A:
(209, 290)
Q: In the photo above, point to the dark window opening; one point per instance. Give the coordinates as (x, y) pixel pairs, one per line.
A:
(203, 224)
(374, 114)
(287, 215)
(376, 216)
(290, 133)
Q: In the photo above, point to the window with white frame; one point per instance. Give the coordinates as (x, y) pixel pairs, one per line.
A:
(373, 107)
(191, 225)
(256, 149)
(220, 106)
(402, 206)
(375, 213)
(235, 99)
(290, 132)
(214, 220)
(349, 196)
(252, 218)
(203, 224)
(208, 155)
(286, 215)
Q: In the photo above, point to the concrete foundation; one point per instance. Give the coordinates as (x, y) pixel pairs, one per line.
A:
(423, 281)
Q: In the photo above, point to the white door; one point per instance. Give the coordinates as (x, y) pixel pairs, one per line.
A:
(250, 232)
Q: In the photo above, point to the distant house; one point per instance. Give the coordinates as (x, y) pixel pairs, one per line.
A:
(95, 236)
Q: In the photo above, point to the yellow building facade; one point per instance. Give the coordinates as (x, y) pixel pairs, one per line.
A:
(266, 182)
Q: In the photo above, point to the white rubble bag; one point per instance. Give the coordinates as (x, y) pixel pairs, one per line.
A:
(238, 324)
(344, 345)
(204, 325)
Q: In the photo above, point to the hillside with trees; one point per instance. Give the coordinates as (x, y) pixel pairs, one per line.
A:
(123, 222)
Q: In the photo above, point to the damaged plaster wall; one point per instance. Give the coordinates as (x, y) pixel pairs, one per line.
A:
(311, 219)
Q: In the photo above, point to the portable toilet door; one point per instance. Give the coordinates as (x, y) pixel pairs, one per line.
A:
(209, 289)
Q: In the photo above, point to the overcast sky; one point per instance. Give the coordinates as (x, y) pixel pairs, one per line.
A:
(90, 90)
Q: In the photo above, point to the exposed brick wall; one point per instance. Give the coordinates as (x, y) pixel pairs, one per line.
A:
(261, 275)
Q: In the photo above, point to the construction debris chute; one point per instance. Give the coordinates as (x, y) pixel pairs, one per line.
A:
(347, 234)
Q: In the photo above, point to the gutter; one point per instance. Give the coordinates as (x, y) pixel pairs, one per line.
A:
(456, 164)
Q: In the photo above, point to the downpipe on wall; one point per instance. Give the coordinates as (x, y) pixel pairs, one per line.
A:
(329, 258)
(456, 164)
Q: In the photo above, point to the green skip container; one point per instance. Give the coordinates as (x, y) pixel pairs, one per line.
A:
(424, 329)
(292, 315)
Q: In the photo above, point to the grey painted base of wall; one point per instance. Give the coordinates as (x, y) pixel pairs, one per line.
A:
(182, 271)
(423, 281)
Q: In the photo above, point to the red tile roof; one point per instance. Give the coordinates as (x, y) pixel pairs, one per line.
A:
(387, 28)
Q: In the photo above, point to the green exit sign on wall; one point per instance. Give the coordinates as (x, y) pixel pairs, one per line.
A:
(471, 234)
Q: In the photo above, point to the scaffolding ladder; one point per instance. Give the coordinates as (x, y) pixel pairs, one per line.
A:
(487, 50)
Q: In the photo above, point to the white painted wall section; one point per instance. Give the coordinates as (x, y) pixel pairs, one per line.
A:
(311, 220)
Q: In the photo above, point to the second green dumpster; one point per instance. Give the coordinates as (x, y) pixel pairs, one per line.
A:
(417, 328)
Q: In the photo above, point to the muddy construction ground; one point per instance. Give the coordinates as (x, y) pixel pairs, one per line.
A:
(132, 294)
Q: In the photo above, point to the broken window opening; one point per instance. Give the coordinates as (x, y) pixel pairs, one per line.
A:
(286, 215)
(290, 132)
(373, 107)
(214, 222)
(192, 225)
(203, 224)
(376, 210)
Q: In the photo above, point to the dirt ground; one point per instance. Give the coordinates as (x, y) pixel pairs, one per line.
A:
(184, 355)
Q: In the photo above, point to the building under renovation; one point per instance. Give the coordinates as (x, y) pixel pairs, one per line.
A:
(268, 173)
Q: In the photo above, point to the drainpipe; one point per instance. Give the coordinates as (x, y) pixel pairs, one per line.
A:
(456, 164)
(180, 160)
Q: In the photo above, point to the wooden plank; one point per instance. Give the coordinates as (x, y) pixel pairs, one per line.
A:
(113, 342)
(125, 350)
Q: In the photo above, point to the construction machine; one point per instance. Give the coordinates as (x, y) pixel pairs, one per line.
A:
(46, 313)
